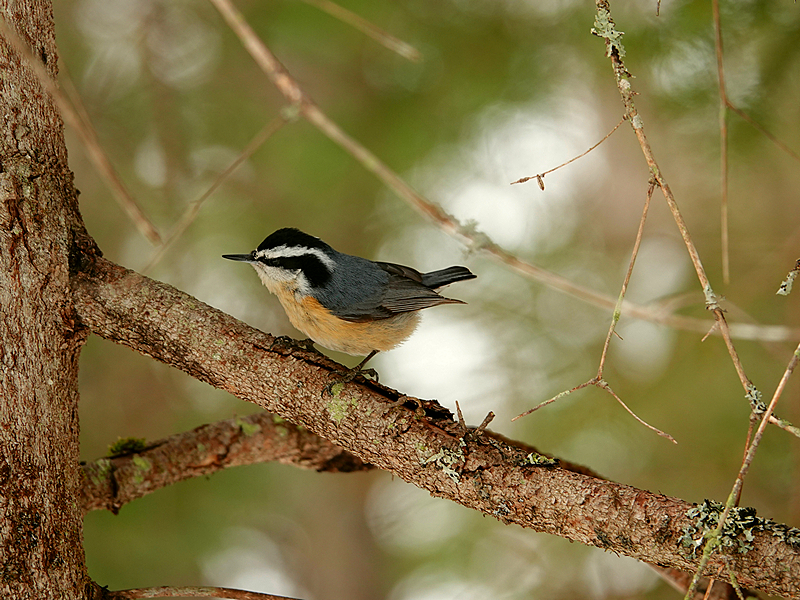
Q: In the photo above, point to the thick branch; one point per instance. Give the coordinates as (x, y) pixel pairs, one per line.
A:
(111, 483)
(494, 477)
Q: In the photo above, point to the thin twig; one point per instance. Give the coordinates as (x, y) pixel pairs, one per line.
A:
(737, 485)
(376, 33)
(484, 424)
(764, 132)
(540, 176)
(598, 382)
(191, 212)
(86, 133)
(618, 308)
(461, 422)
(556, 397)
(604, 386)
(709, 588)
(723, 143)
(192, 592)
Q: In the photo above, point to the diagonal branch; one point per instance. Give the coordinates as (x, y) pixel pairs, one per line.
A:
(110, 483)
(189, 592)
(485, 473)
(387, 40)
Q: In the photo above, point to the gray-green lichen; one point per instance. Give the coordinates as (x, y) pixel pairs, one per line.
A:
(142, 466)
(446, 460)
(712, 302)
(99, 471)
(248, 429)
(786, 287)
(753, 396)
(738, 532)
(538, 460)
(338, 405)
(604, 28)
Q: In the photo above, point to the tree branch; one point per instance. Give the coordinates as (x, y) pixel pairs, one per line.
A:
(110, 483)
(480, 472)
(189, 592)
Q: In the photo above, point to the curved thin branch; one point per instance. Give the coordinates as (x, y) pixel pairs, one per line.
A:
(190, 592)
(110, 483)
(385, 39)
(480, 472)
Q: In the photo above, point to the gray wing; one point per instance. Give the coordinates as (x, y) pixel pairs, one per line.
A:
(404, 292)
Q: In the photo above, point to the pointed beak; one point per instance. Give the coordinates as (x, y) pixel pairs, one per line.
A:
(241, 257)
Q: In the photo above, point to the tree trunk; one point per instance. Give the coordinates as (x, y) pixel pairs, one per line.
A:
(41, 534)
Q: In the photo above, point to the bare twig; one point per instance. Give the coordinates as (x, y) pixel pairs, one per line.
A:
(708, 589)
(540, 177)
(191, 212)
(460, 415)
(604, 386)
(83, 127)
(598, 382)
(376, 33)
(484, 424)
(191, 592)
(711, 544)
(592, 381)
(764, 132)
(723, 143)
(634, 253)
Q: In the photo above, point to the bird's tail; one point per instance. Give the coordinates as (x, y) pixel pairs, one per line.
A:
(443, 277)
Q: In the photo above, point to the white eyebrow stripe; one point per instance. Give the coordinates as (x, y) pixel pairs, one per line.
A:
(284, 251)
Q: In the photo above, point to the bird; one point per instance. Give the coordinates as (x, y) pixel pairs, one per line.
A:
(342, 302)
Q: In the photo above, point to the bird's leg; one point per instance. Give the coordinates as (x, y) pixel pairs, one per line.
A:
(350, 374)
(359, 368)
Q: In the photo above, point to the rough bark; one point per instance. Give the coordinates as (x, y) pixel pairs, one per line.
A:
(112, 482)
(41, 544)
(484, 473)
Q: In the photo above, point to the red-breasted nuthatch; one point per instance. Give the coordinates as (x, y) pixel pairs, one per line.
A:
(344, 302)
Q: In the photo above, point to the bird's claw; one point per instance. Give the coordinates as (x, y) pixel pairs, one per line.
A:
(348, 376)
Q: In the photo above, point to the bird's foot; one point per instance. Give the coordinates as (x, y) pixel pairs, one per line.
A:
(349, 375)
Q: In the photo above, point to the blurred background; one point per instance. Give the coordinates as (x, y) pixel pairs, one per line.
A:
(503, 90)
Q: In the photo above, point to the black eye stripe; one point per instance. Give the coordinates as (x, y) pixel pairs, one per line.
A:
(315, 271)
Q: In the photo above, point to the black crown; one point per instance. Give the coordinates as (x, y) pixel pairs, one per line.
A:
(292, 238)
